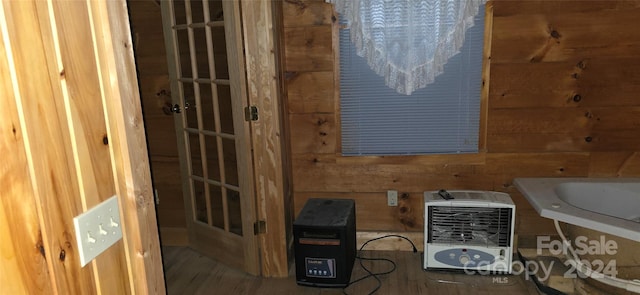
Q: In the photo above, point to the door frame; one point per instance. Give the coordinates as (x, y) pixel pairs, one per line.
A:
(132, 170)
(261, 22)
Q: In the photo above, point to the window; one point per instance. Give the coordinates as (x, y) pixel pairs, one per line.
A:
(442, 118)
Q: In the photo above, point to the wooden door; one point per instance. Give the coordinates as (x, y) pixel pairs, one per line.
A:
(208, 85)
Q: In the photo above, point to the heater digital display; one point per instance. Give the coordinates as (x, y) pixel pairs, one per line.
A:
(320, 267)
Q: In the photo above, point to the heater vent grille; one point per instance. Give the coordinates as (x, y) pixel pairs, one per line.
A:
(478, 226)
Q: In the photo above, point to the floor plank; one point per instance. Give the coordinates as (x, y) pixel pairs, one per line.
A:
(189, 272)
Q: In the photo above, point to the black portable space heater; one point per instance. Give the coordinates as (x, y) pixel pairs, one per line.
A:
(325, 243)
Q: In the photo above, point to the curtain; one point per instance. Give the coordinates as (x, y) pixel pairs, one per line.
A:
(408, 41)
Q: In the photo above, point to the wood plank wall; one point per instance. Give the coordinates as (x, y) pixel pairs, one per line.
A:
(71, 138)
(562, 102)
(557, 106)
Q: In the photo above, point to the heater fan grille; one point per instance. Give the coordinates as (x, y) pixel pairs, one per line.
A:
(470, 226)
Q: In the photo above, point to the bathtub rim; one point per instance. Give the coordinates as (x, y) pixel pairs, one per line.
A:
(541, 194)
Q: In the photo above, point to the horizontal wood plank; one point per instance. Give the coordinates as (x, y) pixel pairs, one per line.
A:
(535, 37)
(297, 13)
(560, 7)
(597, 141)
(308, 48)
(310, 92)
(614, 164)
(559, 120)
(313, 133)
(582, 83)
(537, 164)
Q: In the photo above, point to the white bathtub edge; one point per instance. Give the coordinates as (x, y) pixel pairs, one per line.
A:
(540, 193)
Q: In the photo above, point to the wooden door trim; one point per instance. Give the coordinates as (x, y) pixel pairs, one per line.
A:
(267, 134)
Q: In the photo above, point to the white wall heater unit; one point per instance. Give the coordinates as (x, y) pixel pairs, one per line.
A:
(468, 230)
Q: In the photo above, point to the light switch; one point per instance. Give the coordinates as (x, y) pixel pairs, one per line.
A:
(97, 229)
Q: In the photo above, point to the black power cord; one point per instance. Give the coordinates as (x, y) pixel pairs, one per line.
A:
(371, 274)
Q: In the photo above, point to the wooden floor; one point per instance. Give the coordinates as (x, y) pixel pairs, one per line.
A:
(188, 272)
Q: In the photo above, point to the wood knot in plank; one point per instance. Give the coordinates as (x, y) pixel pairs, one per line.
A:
(13, 130)
(309, 43)
(321, 122)
(141, 201)
(63, 255)
(142, 253)
(105, 140)
(582, 65)
(40, 246)
(409, 222)
(577, 98)
(289, 75)
(135, 121)
(549, 44)
(298, 3)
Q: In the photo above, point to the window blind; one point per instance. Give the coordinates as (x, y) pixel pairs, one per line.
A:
(442, 118)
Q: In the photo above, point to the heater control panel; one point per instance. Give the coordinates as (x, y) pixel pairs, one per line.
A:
(462, 257)
(320, 267)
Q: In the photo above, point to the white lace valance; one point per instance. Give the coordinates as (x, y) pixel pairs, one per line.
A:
(408, 41)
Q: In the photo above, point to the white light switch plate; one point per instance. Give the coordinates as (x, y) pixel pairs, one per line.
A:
(97, 229)
(392, 198)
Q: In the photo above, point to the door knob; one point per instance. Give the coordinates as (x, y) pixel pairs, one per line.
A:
(176, 109)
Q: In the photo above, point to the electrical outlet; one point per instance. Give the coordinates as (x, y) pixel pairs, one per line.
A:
(97, 229)
(392, 198)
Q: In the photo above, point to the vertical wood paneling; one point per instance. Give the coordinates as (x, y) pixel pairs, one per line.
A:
(66, 151)
(23, 265)
(80, 88)
(49, 155)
